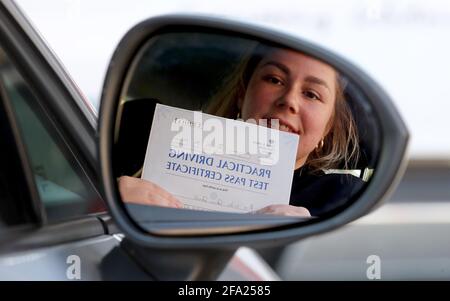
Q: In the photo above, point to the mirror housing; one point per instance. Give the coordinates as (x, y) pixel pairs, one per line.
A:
(390, 166)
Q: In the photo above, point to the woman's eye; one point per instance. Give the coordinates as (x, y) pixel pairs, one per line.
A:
(273, 80)
(311, 95)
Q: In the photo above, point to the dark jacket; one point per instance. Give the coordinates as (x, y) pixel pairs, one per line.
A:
(320, 193)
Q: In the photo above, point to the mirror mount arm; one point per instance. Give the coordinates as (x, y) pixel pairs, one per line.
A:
(173, 265)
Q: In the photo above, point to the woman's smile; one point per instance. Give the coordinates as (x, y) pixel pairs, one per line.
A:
(281, 124)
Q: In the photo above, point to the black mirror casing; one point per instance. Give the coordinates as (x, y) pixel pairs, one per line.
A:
(390, 166)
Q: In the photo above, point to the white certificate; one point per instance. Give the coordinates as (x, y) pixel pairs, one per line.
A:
(219, 164)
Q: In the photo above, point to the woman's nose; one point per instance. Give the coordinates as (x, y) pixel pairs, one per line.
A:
(289, 101)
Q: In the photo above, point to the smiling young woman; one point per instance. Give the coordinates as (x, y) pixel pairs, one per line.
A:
(306, 96)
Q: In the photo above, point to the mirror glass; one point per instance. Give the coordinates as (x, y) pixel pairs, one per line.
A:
(219, 127)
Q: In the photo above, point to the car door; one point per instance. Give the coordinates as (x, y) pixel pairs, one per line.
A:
(53, 219)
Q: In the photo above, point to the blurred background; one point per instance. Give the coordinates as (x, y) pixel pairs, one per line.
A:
(402, 44)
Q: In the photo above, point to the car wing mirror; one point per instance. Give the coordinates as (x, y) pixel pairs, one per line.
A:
(315, 142)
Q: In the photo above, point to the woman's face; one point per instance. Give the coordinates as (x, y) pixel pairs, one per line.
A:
(298, 90)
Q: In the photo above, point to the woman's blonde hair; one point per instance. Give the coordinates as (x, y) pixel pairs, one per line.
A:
(340, 146)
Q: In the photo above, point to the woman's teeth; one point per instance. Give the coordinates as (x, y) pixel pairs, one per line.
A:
(280, 127)
(285, 128)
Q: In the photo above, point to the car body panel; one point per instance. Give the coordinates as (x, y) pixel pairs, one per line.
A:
(100, 258)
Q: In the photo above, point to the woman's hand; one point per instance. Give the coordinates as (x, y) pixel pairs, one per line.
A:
(286, 210)
(138, 191)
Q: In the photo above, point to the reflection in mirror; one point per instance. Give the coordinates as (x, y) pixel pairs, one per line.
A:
(314, 135)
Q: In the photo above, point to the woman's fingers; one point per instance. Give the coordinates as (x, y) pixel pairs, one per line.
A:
(286, 210)
(154, 190)
(138, 191)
